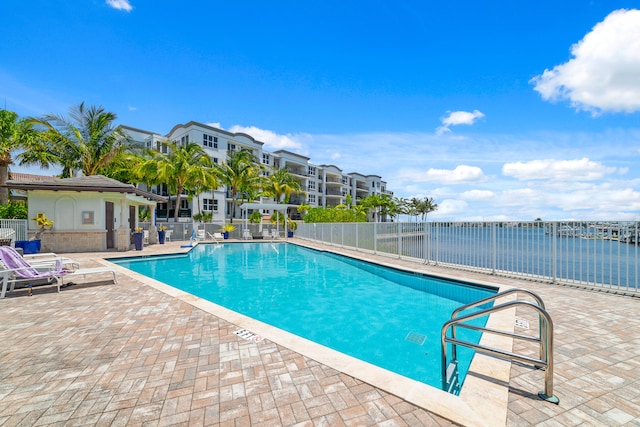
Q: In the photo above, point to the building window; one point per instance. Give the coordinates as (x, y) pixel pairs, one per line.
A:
(209, 141)
(312, 198)
(265, 159)
(184, 140)
(210, 205)
(312, 171)
(311, 185)
(215, 160)
(231, 147)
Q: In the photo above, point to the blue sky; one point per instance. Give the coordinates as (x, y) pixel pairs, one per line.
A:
(497, 110)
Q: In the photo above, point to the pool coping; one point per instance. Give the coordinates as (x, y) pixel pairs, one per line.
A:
(483, 400)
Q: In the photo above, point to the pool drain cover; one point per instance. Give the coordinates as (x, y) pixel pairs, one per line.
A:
(522, 323)
(416, 338)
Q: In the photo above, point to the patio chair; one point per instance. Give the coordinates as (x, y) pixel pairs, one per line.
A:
(275, 234)
(265, 233)
(246, 234)
(51, 258)
(15, 269)
(7, 237)
(145, 237)
(201, 234)
(167, 235)
(216, 236)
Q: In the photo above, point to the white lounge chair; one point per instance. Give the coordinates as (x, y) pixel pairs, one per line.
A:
(265, 233)
(201, 234)
(275, 234)
(15, 269)
(246, 234)
(50, 258)
(167, 235)
(7, 237)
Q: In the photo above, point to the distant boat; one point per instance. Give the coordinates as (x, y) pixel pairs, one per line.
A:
(567, 231)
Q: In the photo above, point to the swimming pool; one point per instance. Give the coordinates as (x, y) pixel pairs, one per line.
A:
(383, 316)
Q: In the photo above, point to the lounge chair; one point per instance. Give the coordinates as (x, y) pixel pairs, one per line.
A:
(167, 235)
(15, 269)
(265, 233)
(275, 234)
(201, 234)
(145, 237)
(7, 237)
(246, 234)
(50, 258)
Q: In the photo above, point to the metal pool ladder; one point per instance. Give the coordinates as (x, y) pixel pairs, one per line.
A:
(545, 340)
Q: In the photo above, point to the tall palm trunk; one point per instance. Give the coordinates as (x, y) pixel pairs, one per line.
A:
(4, 177)
(176, 213)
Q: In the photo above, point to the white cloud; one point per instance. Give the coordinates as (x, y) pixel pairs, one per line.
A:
(335, 155)
(458, 118)
(603, 74)
(132, 108)
(272, 140)
(557, 170)
(460, 175)
(450, 208)
(120, 5)
(478, 195)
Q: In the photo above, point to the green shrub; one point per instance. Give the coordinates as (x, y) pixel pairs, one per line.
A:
(14, 210)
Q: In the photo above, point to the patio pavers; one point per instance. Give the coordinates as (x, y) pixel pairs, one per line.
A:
(128, 354)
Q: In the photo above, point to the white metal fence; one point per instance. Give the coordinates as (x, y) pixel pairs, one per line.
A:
(14, 229)
(597, 254)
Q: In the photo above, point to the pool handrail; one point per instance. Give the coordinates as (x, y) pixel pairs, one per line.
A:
(545, 339)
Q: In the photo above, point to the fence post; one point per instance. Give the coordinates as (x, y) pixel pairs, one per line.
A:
(375, 237)
(554, 252)
(399, 232)
(437, 238)
(425, 241)
(355, 224)
(494, 248)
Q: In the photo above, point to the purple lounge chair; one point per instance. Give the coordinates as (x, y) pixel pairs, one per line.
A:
(14, 268)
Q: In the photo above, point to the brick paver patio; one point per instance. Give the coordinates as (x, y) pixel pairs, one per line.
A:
(129, 354)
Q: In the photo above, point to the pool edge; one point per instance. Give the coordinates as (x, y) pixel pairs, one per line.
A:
(483, 400)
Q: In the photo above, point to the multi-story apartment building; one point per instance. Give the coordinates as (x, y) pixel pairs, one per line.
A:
(324, 185)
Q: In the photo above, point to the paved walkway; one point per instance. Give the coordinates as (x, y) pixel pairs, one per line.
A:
(129, 354)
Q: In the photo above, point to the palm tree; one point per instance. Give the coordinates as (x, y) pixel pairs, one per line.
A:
(378, 204)
(14, 134)
(180, 168)
(240, 174)
(202, 179)
(87, 140)
(281, 185)
(426, 206)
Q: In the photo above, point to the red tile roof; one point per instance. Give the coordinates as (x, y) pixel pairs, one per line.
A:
(28, 177)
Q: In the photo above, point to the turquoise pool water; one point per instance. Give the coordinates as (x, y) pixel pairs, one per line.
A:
(384, 316)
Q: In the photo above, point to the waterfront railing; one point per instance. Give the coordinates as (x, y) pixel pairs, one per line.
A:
(602, 255)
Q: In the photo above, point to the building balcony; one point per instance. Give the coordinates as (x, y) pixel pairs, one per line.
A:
(182, 213)
(297, 171)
